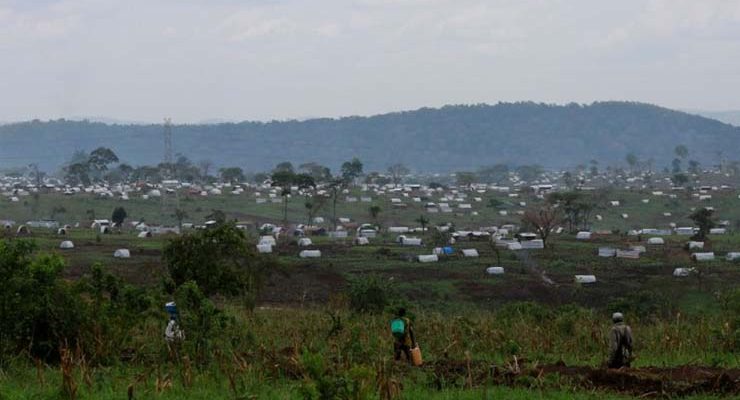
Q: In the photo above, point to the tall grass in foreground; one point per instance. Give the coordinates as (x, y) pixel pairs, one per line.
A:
(332, 353)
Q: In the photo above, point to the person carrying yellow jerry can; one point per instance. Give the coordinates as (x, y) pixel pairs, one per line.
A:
(405, 341)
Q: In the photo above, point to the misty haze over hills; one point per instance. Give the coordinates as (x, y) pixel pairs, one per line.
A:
(731, 117)
(430, 140)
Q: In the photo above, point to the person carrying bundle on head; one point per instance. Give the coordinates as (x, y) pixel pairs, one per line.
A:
(172, 333)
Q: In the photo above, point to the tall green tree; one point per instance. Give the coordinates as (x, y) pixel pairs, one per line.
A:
(351, 169)
(423, 221)
(375, 211)
(632, 160)
(703, 218)
(119, 215)
(101, 157)
(231, 174)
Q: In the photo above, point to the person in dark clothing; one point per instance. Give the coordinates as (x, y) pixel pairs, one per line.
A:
(620, 343)
(404, 335)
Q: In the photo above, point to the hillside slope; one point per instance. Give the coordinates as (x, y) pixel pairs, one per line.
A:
(438, 140)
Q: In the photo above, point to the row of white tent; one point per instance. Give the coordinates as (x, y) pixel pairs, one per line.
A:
(119, 253)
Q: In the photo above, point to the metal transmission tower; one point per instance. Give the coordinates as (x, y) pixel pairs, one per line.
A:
(168, 145)
(169, 196)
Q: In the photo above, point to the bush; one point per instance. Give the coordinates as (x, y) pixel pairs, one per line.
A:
(371, 294)
(527, 311)
(39, 311)
(642, 304)
(218, 260)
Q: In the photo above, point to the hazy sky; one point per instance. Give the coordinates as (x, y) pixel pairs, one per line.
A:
(195, 60)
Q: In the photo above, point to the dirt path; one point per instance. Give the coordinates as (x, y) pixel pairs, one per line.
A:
(649, 382)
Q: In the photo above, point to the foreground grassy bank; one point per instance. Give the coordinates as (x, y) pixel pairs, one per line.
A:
(333, 353)
(120, 384)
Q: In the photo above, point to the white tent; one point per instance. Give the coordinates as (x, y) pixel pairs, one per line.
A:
(513, 246)
(682, 272)
(607, 252)
(703, 256)
(409, 241)
(583, 235)
(310, 254)
(470, 252)
(656, 241)
(535, 244)
(303, 242)
(696, 245)
(427, 258)
(67, 244)
(495, 270)
(732, 256)
(144, 234)
(585, 279)
(264, 248)
(631, 254)
(267, 240)
(62, 231)
(362, 241)
(122, 253)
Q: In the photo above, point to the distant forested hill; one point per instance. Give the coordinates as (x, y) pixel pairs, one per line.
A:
(432, 140)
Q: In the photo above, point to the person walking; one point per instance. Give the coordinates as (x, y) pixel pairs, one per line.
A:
(620, 343)
(403, 333)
